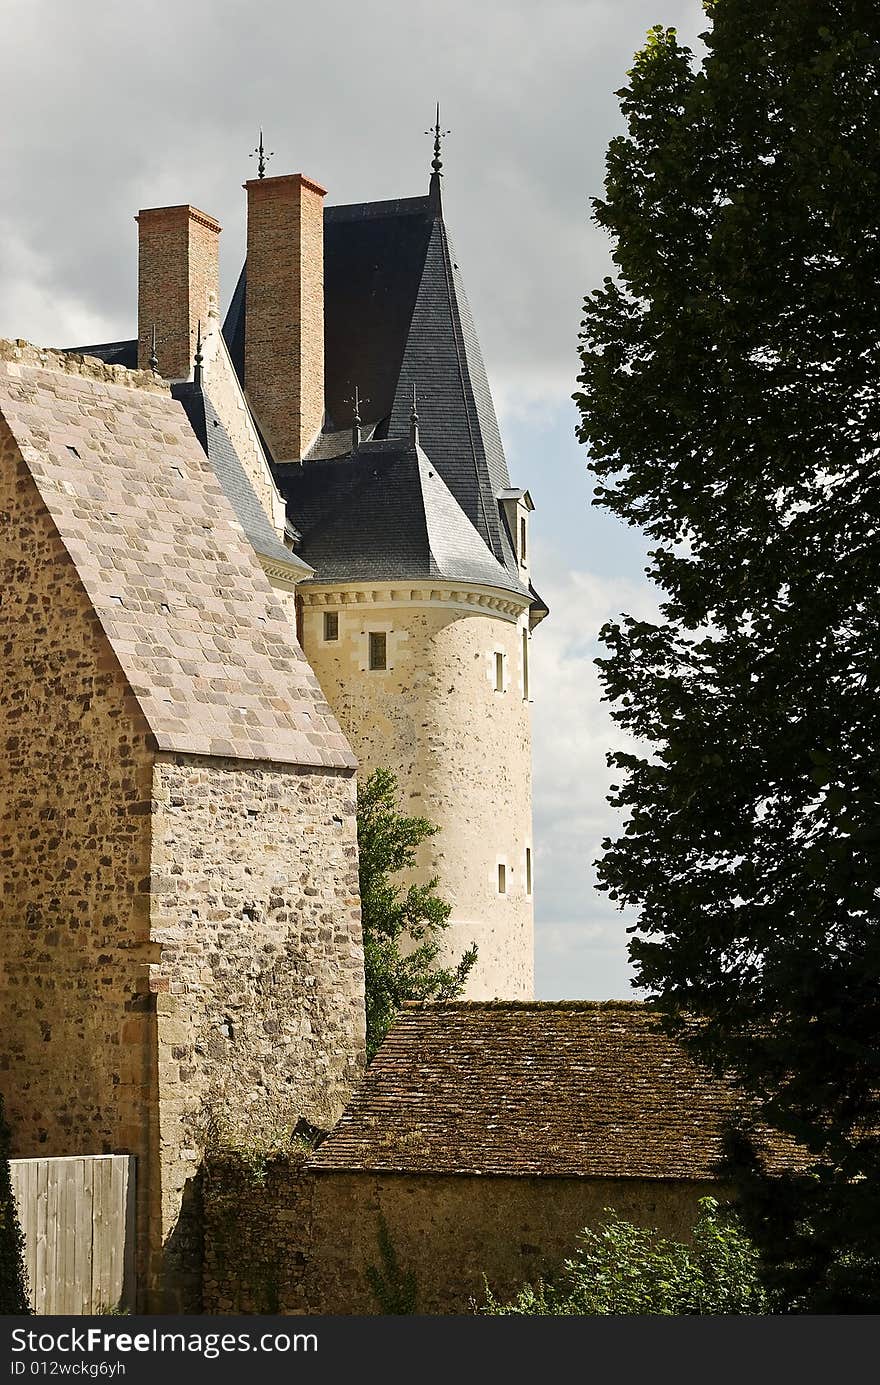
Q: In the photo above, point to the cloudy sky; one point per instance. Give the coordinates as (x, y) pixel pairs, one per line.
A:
(119, 106)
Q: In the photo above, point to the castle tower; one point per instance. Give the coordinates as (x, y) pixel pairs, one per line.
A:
(418, 617)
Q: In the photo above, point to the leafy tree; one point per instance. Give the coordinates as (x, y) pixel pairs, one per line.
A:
(624, 1269)
(730, 399)
(401, 926)
(13, 1275)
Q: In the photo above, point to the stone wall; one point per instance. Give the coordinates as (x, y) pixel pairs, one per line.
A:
(260, 988)
(77, 1038)
(279, 1238)
(461, 752)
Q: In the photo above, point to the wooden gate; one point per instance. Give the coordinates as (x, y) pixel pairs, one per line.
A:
(77, 1215)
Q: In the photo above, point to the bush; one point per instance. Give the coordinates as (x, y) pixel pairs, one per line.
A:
(623, 1269)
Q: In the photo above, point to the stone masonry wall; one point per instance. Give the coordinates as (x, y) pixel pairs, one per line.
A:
(279, 1238)
(77, 1033)
(461, 752)
(260, 987)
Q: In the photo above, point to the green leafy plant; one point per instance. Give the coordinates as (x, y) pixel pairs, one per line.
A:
(402, 926)
(624, 1269)
(394, 1289)
(730, 401)
(13, 1274)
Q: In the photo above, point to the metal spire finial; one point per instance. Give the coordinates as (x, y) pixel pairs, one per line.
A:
(437, 162)
(262, 156)
(414, 421)
(199, 361)
(153, 361)
(356, 422)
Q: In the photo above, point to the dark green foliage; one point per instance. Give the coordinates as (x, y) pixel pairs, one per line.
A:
(624, 1269)
(13, 1276)
(730, 399)
(387, 843)
(393, 1288)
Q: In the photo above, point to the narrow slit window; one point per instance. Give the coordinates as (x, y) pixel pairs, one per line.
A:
(499, 672)
(522, 538)
(502, 878)
(331, 625)
(378, 650)
(528, 870)
(525, 647)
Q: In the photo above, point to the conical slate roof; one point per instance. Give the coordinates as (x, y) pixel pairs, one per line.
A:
(397, 316)
(385, 514)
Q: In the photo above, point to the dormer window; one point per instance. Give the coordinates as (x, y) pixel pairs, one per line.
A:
(523, 530)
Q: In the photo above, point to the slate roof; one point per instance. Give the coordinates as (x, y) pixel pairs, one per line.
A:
(396, 315)
(385, 514)
(198, 631)
(209, 429)
(573, 1089)
(124, 353)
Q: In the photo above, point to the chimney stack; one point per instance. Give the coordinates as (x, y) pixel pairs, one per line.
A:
(284, 311)
(178, 284)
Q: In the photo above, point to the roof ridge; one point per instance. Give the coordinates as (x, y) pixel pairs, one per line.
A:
(643, 1005)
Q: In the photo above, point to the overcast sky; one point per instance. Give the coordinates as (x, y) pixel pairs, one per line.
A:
(111, 106)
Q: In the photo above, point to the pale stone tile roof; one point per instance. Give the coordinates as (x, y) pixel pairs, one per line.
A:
(567, 1089)
(198, 631)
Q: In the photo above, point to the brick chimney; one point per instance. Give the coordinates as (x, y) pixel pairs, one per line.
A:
(178, 283)
(284, 321)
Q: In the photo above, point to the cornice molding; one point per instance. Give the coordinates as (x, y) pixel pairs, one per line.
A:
(475, 600)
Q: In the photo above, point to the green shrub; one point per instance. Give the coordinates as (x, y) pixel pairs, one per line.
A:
(624, 1269)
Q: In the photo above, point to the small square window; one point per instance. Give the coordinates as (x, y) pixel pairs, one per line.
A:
(378, 650)
(331, 625)
(499, 672)
(502, 878)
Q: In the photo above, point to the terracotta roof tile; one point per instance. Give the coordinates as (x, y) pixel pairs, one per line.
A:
(570, 1089)
(199, 632)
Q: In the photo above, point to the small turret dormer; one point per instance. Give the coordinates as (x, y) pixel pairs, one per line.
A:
(516, 506)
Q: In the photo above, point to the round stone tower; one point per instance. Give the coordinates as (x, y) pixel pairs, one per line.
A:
(432, 683)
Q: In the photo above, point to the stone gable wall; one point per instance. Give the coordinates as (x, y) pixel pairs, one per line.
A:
(77, 1037)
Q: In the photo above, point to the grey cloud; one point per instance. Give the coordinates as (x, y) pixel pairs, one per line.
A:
(121, 106)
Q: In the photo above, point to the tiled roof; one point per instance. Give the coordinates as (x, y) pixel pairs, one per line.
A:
(198, 631)
(385, 514)
(569, 1089)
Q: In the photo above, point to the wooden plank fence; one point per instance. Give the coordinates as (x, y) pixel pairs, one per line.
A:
(77, 1215)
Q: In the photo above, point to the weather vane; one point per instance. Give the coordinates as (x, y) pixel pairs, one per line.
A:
(439, 136)
(262, 157)
(356, 401)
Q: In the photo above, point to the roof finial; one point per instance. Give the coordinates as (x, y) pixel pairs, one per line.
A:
(414, 421)
(199, 362)
(262, 157)
(356, 422)
(153, 362)
(437, 162)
